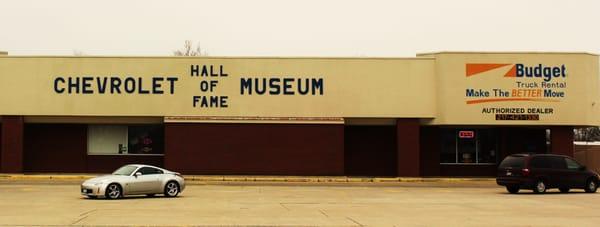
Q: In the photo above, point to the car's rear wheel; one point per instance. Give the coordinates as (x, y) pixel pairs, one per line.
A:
(512, 189)
(564, 190)
(113, 191)
(539, 187)
(171, 189)
(591, 186)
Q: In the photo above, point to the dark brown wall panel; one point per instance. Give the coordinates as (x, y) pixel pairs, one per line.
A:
(263, 149)
(409, 152)
(0, 147)
(561, 140)
(12, 144)
(370, 150)
(430, 151)
(55, 147)
(109, 163)
(63, 148)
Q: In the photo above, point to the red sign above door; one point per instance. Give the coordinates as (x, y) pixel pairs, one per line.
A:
(466, 134)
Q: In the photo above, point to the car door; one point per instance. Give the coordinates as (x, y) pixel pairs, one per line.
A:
(542, 167)
(146, 183)
(576, 175)
(559, 172)
(156, 186)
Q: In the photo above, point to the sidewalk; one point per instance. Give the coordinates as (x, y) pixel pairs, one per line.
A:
(238, 178)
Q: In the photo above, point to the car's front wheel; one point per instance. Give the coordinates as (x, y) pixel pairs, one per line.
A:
(539, 187)
(113, 191)
(513, 189)
(591, 186)
(171, 189)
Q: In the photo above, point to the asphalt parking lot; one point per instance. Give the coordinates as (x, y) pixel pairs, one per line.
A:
(276, 204)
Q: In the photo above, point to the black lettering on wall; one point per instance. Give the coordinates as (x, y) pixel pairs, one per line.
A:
(101, 84)
(73, 85)
(317, 84)
(129, 85)
(56, 88)
(287, 86)
(194, 70)
(156, 85)
(257, 87)
(172, 84)
(141, 88)
(115, 83)
(274, 85)
(245, 84)
(87, 85)
(303, 91)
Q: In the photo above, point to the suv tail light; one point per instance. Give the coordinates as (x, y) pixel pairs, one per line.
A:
(525, 172)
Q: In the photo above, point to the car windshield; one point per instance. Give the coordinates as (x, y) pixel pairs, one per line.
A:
(513, 162)
(125, 170)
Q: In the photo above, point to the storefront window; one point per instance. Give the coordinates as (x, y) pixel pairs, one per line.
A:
(145, 140)
(121, 139)
(448, 153)
(488, 146)
(467, 149)
(469, 146)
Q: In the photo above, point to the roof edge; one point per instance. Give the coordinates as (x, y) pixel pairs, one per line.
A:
(221, 57)
(503, 52)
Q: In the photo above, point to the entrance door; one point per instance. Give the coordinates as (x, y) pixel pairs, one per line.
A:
(469, 146)
(466, 146)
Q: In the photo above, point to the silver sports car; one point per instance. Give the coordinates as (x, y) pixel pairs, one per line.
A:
(134, 180)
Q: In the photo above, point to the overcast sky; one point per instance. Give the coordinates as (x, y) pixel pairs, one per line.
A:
(297, 28)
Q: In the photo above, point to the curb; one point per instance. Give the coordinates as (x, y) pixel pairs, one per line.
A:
(234, 178)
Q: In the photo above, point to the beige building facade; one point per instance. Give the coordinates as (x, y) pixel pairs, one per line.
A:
(447, 113)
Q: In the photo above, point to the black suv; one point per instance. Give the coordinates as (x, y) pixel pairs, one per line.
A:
(542, 171)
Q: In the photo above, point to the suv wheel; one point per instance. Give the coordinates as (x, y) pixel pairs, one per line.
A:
(539, 187)
(512, 189)
(564, 190)
(591, 186)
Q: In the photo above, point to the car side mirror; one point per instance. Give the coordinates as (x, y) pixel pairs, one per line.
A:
(137, 174)
(582, 168)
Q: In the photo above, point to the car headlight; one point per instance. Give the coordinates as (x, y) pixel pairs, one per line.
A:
(98, 184)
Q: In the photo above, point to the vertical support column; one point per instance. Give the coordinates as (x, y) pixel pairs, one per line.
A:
(407, 147)
(171, 146)
(12, 144)
(430, 147)
(561, 140)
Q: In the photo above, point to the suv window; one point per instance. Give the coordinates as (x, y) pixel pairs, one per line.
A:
(150, 170)
(572, 164)
(547, 162)
(558, 163)
(513, 162)
(540, 162)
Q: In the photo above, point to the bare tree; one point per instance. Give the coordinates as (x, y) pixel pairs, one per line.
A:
(78, 53)
(587, 134)
(189, 50)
